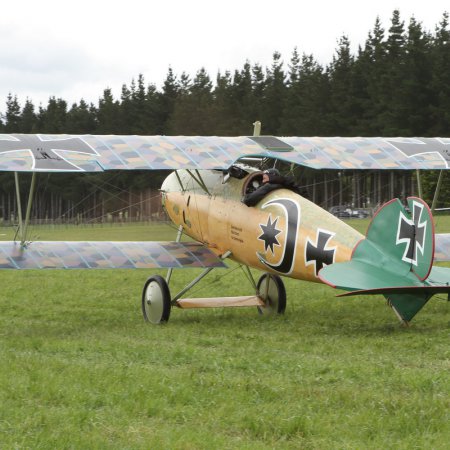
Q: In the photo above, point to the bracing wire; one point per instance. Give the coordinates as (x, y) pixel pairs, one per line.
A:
(99, 187)
(216, 278)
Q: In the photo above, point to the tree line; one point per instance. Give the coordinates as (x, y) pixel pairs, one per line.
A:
(396, 84)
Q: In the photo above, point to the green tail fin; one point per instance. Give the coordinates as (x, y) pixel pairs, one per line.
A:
(394, 260)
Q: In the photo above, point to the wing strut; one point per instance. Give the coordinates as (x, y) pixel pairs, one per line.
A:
(19, 203)
(436, 192)
(179, 181)
(178, 239)
(199, 180)
(419, 183)
(23, 225)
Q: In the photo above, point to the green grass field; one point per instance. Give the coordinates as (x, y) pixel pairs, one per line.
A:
(79, 368)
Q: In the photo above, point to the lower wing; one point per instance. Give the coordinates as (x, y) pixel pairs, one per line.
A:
(106, 255)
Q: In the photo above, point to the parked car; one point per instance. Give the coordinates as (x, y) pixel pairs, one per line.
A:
(346, 212)
(360, 213)
(343, 212)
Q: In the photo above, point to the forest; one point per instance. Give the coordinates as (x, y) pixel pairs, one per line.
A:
(396, 84)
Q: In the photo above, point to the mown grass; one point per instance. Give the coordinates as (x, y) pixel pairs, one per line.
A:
(143, 231)
(80, 369)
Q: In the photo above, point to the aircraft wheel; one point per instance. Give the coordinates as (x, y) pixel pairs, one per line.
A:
(271, 289)
(156, 302)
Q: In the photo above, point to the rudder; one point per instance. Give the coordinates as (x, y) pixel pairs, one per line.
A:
(406, 236)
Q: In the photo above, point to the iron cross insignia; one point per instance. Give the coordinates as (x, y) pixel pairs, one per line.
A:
(412, 233)
(319, 253)
(416, 147)
(44, 151)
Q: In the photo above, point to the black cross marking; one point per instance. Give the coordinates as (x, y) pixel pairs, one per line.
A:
(412, 232)
(425, 145)
(43, 151)
(318, 253)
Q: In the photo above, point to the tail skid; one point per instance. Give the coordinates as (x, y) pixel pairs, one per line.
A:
(395, 260)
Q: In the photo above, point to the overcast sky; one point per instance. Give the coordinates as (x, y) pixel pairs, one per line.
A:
(75, 49)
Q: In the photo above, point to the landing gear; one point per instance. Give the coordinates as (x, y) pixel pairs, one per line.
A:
(270, 297)
(271, 289)
(156, 303)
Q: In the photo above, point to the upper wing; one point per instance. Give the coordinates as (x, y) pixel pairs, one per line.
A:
(106, 255)
(369, 153)
(89, 153)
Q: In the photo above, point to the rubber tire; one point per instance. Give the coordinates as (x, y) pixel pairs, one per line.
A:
(161, 294)
(277, 294)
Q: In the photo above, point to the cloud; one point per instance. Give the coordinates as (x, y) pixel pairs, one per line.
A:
(40, 66)
(75, 50)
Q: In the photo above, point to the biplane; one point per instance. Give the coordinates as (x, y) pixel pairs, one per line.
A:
(283, 235)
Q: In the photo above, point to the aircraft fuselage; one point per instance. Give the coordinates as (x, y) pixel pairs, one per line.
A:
(284, 233)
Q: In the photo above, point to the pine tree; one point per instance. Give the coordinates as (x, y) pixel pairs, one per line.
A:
(142, 106)
(13, 114)
(417, 80)
(154, 122)
(274, 96)
(360, 92)
(52, 120)
(294, 68)
(166, 101)
(258, 94)
(202, 85)
(227, 113)
(108, 118)
(127, 113)
(393, 119)
(185, 84)
(193, 108)
(81, 118)
(440, 82)
(243, 104)
(370, 68)
(343, 109)
(28, 122)
(307, 98)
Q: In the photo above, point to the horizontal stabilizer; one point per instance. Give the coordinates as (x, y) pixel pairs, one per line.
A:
(364, 279)
(358, 275)
(406, 294)
(106, 255)
(400, 290)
